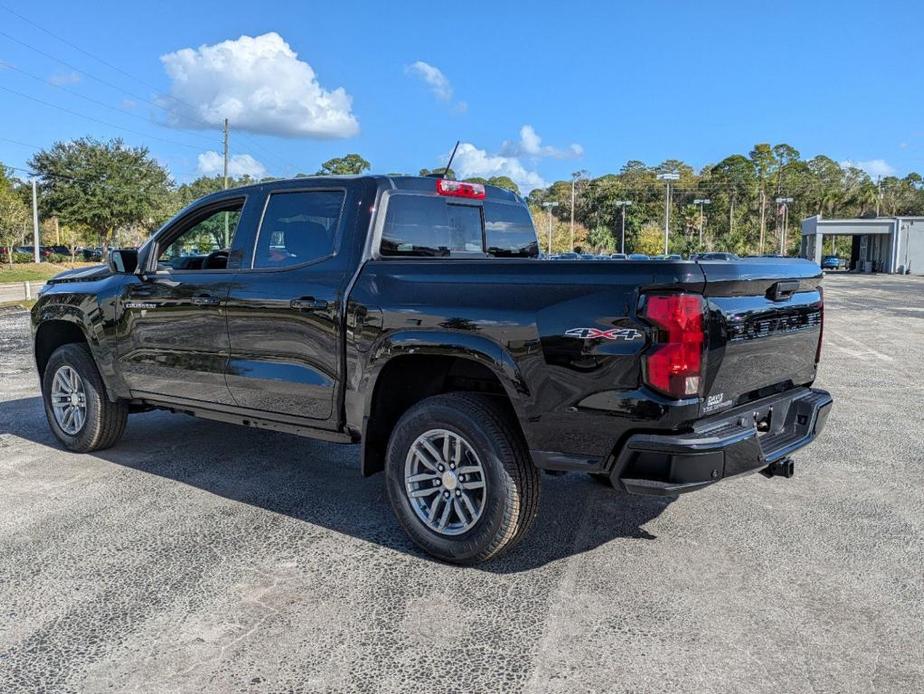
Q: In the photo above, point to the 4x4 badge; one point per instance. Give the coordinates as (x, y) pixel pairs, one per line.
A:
(611, 334)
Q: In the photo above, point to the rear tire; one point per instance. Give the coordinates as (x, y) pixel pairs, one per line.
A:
(79, 412)
(469, 516)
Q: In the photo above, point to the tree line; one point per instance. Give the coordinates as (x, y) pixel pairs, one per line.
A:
(741, 214)
(98, 193)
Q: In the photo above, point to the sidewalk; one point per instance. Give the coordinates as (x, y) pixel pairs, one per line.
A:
(17, 291)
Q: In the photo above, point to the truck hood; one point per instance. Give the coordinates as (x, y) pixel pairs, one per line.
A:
(81, 274)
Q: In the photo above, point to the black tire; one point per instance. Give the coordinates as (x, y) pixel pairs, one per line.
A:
(512, 489)
(105, 420)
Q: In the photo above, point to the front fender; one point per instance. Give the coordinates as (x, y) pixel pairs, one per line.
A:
(82, 311)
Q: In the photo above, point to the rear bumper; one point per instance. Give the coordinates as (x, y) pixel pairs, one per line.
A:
(723, 446)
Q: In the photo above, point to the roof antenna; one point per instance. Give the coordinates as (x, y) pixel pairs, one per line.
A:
(451, 157)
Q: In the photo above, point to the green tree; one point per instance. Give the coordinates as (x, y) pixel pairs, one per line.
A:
(650, 239)
(504, 182)
(104, 186)
(344, 166)
(14, 216)
(442, 171)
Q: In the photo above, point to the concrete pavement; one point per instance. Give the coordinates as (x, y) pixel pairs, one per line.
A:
(201, 557)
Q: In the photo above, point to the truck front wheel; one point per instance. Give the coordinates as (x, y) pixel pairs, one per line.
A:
(79, 412)
(459, 477)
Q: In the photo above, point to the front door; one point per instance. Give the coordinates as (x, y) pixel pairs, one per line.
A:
(284, 311)
(175, 330)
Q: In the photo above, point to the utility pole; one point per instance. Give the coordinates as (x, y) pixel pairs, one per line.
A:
(35, 224)
(227, 224)
(667, 178)
(226, 154)
(878, 193)
(622, 238)
(702, 217)
(549, 206)
(784, 202)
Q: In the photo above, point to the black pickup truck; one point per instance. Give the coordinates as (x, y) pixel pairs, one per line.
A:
(414, 317)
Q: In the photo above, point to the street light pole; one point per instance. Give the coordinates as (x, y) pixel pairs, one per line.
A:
(574, 179)
(667, 178)
(548, 206)
(622, 242)
(785, 204)
(702, 218)
(35, 225)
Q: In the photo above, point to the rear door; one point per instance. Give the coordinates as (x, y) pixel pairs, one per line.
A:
(765, 317)
(285, 307)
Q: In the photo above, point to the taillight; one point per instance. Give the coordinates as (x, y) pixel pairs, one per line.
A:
(821, 323)
(460, 189)
(674, 364)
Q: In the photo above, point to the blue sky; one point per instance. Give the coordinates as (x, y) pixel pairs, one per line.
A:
(534, 90)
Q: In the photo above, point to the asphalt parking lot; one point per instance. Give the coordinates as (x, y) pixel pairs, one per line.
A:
(197, 556)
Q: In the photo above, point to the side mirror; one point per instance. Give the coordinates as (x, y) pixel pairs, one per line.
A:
(123, 261)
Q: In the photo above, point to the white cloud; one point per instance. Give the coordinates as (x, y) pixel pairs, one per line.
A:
(61, 79)
(433, 77)
(471, 161)
(530, 145)
(874, 167)
(212, 163)
(260, 85)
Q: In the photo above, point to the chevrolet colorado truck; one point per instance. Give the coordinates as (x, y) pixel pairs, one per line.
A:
(413, 316)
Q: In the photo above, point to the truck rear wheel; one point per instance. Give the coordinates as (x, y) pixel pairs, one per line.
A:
(79, 412)
(459, 478)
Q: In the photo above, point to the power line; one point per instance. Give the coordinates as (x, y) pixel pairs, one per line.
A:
(19, 142)
(191, 107)
(98, 120)
(94, 101)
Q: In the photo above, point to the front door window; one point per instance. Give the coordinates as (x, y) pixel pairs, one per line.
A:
(204, 245)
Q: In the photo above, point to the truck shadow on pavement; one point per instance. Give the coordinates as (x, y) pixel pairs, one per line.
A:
(320, 483)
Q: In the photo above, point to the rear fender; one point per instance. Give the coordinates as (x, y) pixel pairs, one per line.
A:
(475, 348)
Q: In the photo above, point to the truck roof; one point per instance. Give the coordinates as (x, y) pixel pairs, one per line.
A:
(418, 184)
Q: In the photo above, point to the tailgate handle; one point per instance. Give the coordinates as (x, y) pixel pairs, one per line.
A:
(782, 290)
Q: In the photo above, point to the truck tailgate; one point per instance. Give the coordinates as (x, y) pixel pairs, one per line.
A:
(764, 327)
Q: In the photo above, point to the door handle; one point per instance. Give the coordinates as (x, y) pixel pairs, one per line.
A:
(308, 303)
(205, 300)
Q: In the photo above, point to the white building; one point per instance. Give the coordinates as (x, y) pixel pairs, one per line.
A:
(888, 244)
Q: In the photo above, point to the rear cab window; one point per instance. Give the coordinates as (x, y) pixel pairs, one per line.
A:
(436, 226)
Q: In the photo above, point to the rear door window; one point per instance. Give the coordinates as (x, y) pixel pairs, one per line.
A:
(298, 227)
(418, 225)
(509, 231)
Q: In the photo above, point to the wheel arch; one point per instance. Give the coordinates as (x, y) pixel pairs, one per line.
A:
(63, 328)
(412, 365)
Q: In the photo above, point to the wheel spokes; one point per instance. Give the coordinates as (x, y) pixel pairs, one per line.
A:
(445, 482)
(425, 491)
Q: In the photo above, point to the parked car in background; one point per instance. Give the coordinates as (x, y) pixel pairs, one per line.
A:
(639, 256)
(618, 256)
(833, 262)
(44, 251)
(91, 254)
(714, 256)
